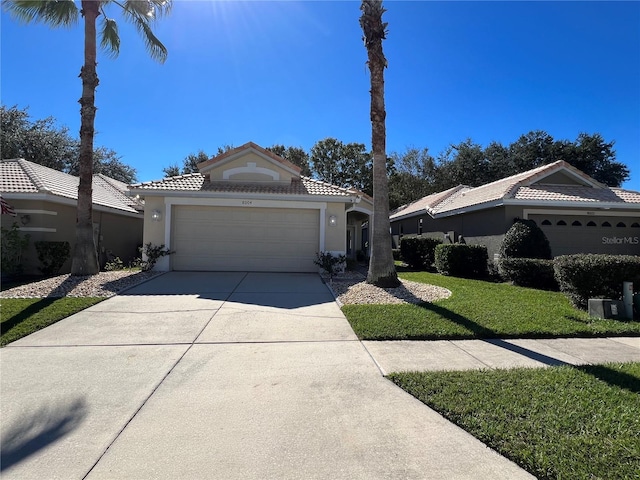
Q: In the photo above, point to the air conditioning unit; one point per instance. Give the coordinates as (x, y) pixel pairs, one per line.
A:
(606, 308)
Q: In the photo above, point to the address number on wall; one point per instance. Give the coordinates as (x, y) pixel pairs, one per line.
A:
(247, 202)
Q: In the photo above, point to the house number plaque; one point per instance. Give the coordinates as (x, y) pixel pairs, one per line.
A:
(247, 202)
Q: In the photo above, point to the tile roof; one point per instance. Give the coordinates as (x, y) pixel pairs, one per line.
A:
(196, 182)
(521, 187)
(22, 176)
(248, 146)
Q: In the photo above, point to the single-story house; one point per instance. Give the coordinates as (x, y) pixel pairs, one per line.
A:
(45, 202)
(250, 210)
(577, 213)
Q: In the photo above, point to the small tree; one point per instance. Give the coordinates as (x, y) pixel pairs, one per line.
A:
(332, 264)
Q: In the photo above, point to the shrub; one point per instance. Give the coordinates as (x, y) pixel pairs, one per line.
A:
(52, 256)
(529, 272)
(459, 260)
(396, 254)
(330, 263)
(525, 240)
(153, 254)
(13, 244)
(586, 276)
(418, 252)
(114, 265)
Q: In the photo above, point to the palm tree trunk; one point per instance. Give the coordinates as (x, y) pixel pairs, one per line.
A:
(85, 256)
(382, 270)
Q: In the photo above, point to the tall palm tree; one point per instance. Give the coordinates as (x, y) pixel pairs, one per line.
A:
(382, 271)
(64, 13)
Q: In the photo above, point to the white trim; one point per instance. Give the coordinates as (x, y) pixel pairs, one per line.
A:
(250, 168)
(37, 212)
(589, 205)
(323, 221)
(243, 195)
(72, 202)
(244, 152)
(356, 208)
(37, 229)
(577, 213)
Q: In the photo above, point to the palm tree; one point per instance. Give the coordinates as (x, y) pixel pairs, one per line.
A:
(382, 271)
(64, 13)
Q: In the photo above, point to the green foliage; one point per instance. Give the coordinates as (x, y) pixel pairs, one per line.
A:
(330, 263)
(23, 316)
(295, 155)
(418, 252)
(525, 240)
(529, 272)
(480, 309)
(586, 276)
(13, 244)
(114, 265)
(558, 422)
(346, 165)
(153, 253)
(397, 255)
(459, 260)
(52, 256)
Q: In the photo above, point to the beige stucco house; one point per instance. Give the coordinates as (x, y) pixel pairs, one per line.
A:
(577, 213)
(45, 202)
(250, 210)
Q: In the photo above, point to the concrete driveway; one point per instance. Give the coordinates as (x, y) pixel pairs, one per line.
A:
(219, 375)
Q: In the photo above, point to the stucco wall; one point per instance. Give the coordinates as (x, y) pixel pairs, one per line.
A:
(216, 174)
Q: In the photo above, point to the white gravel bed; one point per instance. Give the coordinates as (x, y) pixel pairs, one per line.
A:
(104, 284)
(353, 291)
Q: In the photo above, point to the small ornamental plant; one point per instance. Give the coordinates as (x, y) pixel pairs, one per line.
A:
(330, 263)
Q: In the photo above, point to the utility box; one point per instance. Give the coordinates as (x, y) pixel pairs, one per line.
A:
(606, 308)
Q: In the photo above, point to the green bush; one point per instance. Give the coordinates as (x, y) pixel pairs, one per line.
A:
(586, 276)
(418, 252)
(529, 272)
(396, 254)
(459, 260)
(153, 254)
(13, 244)
(52, 256)
(525, 240)
(332, 264)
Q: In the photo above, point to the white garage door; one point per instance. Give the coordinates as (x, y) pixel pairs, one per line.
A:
(251, 239)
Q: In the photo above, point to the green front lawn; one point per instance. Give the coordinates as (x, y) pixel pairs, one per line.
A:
(22, 316)
(479, 309)
(559, 422)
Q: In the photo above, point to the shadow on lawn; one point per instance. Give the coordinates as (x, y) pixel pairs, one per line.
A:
(25, 314)
(613, 377)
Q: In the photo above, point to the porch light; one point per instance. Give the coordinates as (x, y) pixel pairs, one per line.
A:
(156, 215)
(25, 219)
(333, 220)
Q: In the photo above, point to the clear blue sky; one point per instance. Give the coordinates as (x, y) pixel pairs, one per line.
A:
(295, 73)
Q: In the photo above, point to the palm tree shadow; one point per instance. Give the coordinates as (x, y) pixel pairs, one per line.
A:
(30, 434)
(613, 377)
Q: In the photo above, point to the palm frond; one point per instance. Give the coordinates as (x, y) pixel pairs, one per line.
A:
(109, 36)
(141, 13)
(54, 13)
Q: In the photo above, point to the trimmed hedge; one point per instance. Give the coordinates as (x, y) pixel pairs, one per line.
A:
(418, 252)
(459, 260)
(529, 272)
(525, 240)
(586, 276)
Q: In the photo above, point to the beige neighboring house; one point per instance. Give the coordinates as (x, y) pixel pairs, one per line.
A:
(250, 210)
(45, 202)
(577, 213)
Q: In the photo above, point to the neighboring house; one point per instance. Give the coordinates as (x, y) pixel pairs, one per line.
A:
(577, 214)
(45, 202)
(249, 209)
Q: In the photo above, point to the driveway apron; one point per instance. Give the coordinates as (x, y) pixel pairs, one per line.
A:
(220, 375)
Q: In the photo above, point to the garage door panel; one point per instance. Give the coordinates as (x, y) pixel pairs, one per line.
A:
(236, 239)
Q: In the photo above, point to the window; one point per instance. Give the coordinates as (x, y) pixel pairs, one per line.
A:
(576, 224)
(420, 226)
(621, 225)
(635, 225)
(591, 224)
(546, 222)
(606, 224)
(561, 223)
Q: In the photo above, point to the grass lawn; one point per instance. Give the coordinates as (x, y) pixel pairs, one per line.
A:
(479, 309)
(21, 316)
(558, 422)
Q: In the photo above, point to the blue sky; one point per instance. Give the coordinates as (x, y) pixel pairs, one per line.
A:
(295, 73)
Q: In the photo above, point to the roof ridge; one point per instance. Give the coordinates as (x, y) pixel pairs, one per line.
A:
(27, 167)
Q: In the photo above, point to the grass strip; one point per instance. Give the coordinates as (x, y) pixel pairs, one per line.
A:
(480, 309)
(22, 316)
(558, 422)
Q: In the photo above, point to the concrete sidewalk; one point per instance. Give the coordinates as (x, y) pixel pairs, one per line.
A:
(224, 375)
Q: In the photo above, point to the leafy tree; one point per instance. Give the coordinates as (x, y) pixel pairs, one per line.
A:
(295, 155)
(413, 176)
(346, 165)
(45, 143)
(382, 270)
(171, 170)
(62, 13)
(191, 161)
(463, 164)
